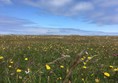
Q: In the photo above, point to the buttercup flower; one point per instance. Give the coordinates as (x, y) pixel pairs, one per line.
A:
(18, 70)
(60, 78)
(89, 58)
(116, 69)
(84, 67)
(82, 79)
(82, 59)
(11, 61)
(61, 66)
(9, 66)
(20, 77)
(106, 74)
(1, 57)
(97, 80)
(26, 59)
(110, 66)
(48, 67)
(84, 63)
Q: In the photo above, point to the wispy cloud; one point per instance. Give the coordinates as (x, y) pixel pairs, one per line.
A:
(107, 3)
(47, 3)
(2, 2)
(79, 8)
(12, 21)
(12, 25)
(101, 12)
(94, 11)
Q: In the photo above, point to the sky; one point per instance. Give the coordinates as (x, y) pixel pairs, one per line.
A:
(58, 16)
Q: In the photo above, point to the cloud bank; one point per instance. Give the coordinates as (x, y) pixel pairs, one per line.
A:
(102, 12)
(12, 25)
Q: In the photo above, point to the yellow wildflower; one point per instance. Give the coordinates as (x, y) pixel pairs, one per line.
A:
(84, 67)
(82, 79)
(48, 67)
(18, 70)
(28, 69)
(59, 78)
(97, 80)
(106, 74)
(89, 58)
(116, 69)
(9, 66)
(26, 59)
(110, 66)
(20, 77)
(1, 57)
(3, 48)
(91, 49)
(82, 59)
(61, 66)
(84, 63)
(11, 62)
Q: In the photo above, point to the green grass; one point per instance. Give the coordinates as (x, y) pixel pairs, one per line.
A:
(41, 50)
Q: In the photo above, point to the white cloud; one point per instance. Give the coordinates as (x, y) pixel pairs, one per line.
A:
(80, 8)
(107, 3)
(47, 3)
(12, 25)
(5, 1)
(12, 21)
(94, 11)
(58, 3)
(83, 6)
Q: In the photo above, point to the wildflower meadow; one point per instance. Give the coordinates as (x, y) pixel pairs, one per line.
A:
(58, 59)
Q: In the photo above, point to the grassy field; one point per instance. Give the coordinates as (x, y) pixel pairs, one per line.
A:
(58, 59)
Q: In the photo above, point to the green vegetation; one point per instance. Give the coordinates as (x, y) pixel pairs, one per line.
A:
(49, 59)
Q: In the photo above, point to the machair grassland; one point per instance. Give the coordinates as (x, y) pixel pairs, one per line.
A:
(58, 59)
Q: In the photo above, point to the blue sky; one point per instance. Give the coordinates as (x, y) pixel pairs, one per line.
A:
(54, 16)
